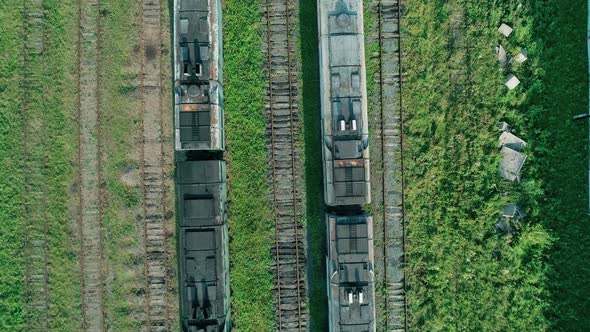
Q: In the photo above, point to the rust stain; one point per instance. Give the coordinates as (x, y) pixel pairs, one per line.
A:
(350, 163)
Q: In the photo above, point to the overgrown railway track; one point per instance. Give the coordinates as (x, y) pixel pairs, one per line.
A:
(89, 176)
(152, 168)
(34, 127)
(391, 142)
(282, 126)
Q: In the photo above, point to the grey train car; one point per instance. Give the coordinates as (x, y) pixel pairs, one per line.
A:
(351, 280)
(344, 103)
(203, 243)
(198, 77)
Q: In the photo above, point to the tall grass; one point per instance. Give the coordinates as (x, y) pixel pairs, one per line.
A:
(250, 218)
(11, 165)
(461, 274)
(58, 118)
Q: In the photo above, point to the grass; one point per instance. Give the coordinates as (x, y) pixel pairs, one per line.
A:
(121, 128)
(58, 148)
(462, 275)
(12, 313)
(558, 30)
(372, 62)
(60, 114)
(250, 216)
(121, 138)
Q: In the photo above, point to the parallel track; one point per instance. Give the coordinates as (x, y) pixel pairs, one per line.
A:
(282, 113)
(152, 168)
(391, 79)
(36, 227)
(89, 156)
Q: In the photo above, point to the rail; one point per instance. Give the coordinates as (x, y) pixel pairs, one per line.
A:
(152, 168)
(282, 112)
(391, 122)
(89, 166)
(35, 182)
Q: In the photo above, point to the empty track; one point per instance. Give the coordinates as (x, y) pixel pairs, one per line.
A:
(152, 167)
(35, 204)
(89, 154)
(391, 136)
(282, 125)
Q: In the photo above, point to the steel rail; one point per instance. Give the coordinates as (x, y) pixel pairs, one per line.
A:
(383, 155)
(293, 163)
(144, 182)
(81, 225)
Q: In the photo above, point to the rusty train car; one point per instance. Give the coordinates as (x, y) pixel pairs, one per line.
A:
(198, 76)
(345, 152)
(203, 244)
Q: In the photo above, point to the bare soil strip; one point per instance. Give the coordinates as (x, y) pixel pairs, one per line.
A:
(282, 115)
(152, 168)
(36, 251)
(89, 167)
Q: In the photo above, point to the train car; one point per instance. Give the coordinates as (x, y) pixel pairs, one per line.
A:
(351, 279)
(198, 77)
(203, 246)
(344, 103)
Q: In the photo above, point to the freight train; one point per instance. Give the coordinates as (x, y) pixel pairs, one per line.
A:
(203, 245)
(198, 84)
(351, 280)
(345, 152)
(345, 132)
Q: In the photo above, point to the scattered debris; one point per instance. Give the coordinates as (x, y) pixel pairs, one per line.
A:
(501, 55)
(505, 30)
(503, 126)
(522, 56)
(504, 227)
(510, 219)
(513, 211)
(511, 164)
(511, 82)
(512, 159)
(511, 141)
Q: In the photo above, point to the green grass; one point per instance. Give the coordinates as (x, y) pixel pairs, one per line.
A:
(461, 274)
(60, 109)
(11, 177)
(558, 30)
(57, 113)
(121, 142)
(250, 216)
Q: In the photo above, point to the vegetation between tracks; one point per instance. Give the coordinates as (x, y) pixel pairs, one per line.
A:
(462, 275)
(58, 111)
(121, 130)
(250, 216)
(12, 310)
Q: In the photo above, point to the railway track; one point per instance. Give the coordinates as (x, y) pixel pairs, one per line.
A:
(285, 155)
(36, 227)
(391, 136)
(89, 154)
(152, 168)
